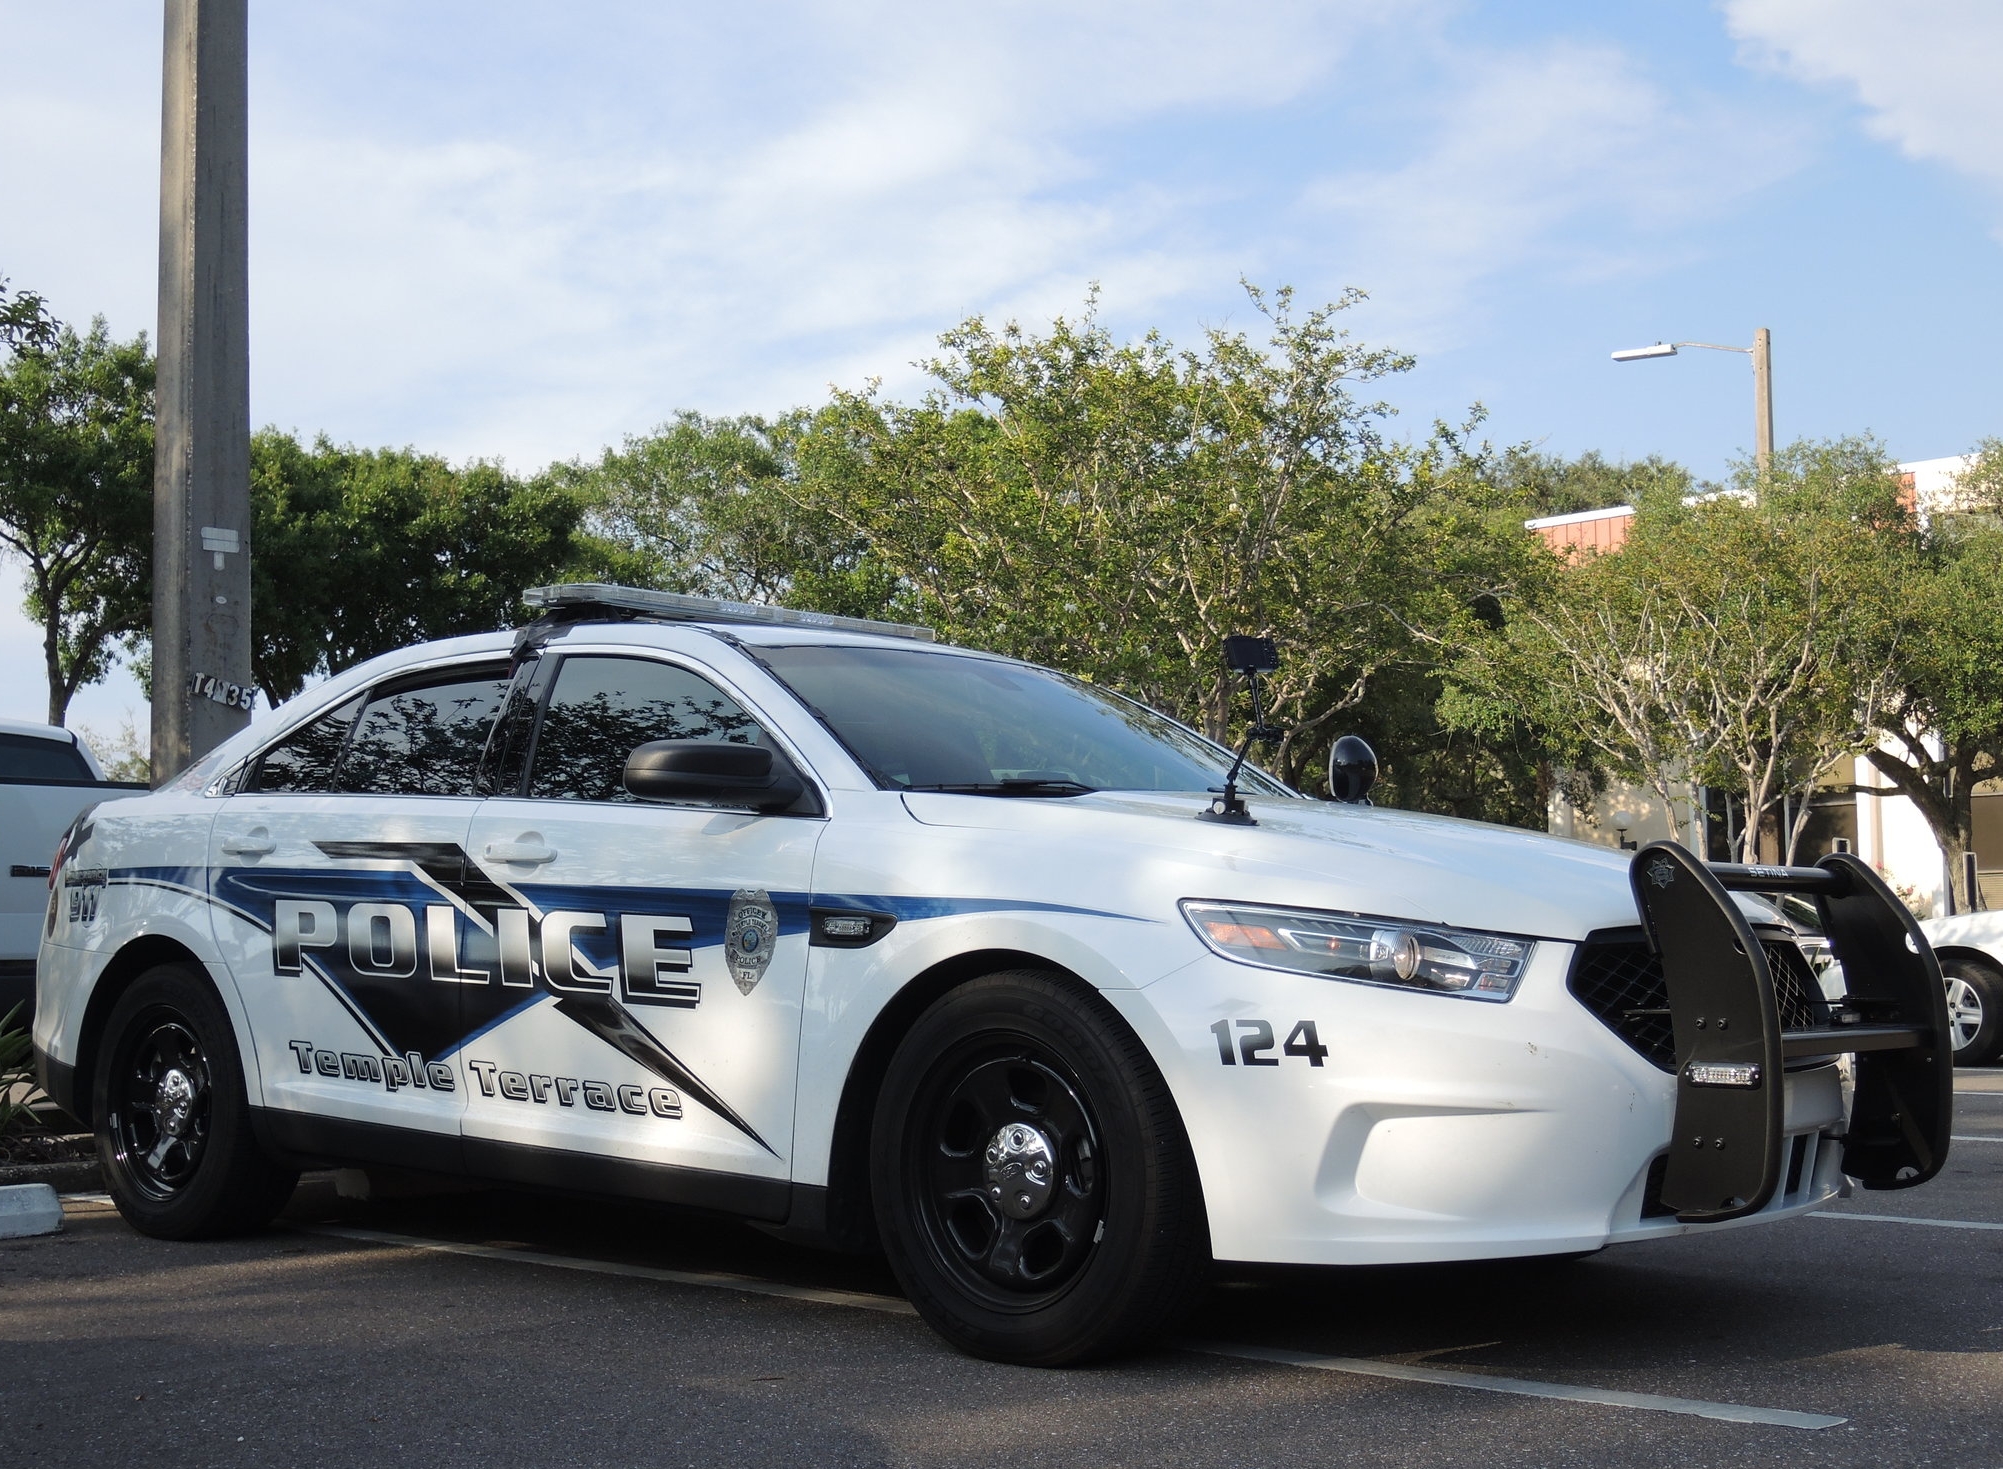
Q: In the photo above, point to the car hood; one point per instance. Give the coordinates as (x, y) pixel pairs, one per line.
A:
(1982, 930)
(1314, 854)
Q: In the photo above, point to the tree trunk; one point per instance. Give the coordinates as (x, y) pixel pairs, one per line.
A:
(52, 661)
(1947, 806)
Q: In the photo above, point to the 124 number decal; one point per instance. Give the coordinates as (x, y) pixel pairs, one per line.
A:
(1256, 1037)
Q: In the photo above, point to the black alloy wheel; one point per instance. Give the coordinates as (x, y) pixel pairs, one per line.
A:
(173, 1119)
(1033, 1185)
(161, 1105)
(1005, 1172)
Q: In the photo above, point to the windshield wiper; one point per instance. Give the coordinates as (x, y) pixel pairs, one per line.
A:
(1016, 787)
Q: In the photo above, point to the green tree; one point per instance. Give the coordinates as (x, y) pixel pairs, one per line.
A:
(76, 488)
(1941, 734)
(1553, 485)
(1115, 509)
(24, 319)
(1506, 774)
(1738, 641)
(358, 551)
(709, 506)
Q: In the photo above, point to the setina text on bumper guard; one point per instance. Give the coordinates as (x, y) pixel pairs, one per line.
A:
(1731, 1053)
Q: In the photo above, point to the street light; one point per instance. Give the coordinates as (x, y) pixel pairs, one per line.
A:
(1761, 352)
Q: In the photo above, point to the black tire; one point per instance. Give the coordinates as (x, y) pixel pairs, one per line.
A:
(1105, 1246)
(173, 1119)
(1974, 1010)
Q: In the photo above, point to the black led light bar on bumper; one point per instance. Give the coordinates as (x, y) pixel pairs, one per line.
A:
(1725, 1159)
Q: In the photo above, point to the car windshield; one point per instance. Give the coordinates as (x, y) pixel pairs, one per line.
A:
(926, 720)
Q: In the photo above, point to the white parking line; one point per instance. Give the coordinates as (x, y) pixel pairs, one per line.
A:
(1956, 1137)
(1729, 1412)
(716, 1278)
(1565, 1392)
(1908, 1219)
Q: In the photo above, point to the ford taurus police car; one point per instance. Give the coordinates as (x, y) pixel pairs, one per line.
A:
(874, 941)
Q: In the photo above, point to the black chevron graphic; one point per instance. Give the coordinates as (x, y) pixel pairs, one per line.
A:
(448, 865)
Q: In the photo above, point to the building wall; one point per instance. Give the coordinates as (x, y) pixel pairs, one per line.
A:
(1894, 838)
(1587, 532)
(1648, 819)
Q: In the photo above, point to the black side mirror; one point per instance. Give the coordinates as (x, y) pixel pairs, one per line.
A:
(712, 772)
(1352, 771)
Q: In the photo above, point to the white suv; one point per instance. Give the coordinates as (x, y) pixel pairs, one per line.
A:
(821, 925)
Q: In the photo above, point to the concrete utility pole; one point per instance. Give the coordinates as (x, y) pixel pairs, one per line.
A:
(202, 689)
(1763, 401)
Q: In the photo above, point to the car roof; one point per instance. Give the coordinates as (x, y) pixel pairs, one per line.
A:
(38, 731)
(55, 734)
(648, 632)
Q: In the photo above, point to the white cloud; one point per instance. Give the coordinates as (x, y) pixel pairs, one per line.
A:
(1926, 71)
(1567, 158)
(540, 292)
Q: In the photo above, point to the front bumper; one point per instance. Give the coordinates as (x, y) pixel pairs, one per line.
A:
(1435, 1129)
(1439, 1128)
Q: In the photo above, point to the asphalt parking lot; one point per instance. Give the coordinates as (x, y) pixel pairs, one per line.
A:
(502, 1329)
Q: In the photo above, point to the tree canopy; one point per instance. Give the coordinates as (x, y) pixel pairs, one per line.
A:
(359, 551)
(1941, 731)
(1116, 508)
(1742, 639)
(24, 319)
(76, 488)
(1554, 485)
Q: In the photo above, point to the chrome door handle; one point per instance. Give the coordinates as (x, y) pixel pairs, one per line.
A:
(256, 843)
(528, 854)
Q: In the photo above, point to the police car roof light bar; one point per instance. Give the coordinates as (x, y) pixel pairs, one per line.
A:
(581, 599)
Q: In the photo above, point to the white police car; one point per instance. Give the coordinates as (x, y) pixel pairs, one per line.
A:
(823, 926)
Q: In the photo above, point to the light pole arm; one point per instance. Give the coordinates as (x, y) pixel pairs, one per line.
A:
(1761, 352)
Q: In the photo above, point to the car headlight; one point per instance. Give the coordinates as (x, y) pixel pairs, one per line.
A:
(1390, 951)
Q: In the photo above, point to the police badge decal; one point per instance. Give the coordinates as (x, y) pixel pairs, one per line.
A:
(751, 930)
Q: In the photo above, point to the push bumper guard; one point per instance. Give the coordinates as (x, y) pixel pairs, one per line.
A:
(1731, 1053)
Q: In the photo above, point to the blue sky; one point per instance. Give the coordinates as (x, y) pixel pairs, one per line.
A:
(524, 231)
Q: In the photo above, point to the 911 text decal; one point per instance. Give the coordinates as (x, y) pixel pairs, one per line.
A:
(1256, 1037)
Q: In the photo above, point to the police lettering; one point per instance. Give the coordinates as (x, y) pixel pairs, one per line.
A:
(646, 953)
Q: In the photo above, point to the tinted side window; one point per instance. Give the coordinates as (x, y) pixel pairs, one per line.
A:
(422, 739)
(603, 708)
(23, 757)
(304, 760)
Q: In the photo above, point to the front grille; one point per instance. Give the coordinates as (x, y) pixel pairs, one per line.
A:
(1615, 977)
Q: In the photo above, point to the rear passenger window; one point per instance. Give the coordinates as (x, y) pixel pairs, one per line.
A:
(26, 758)
(422, 739)
(602, 709)
(305, 759)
